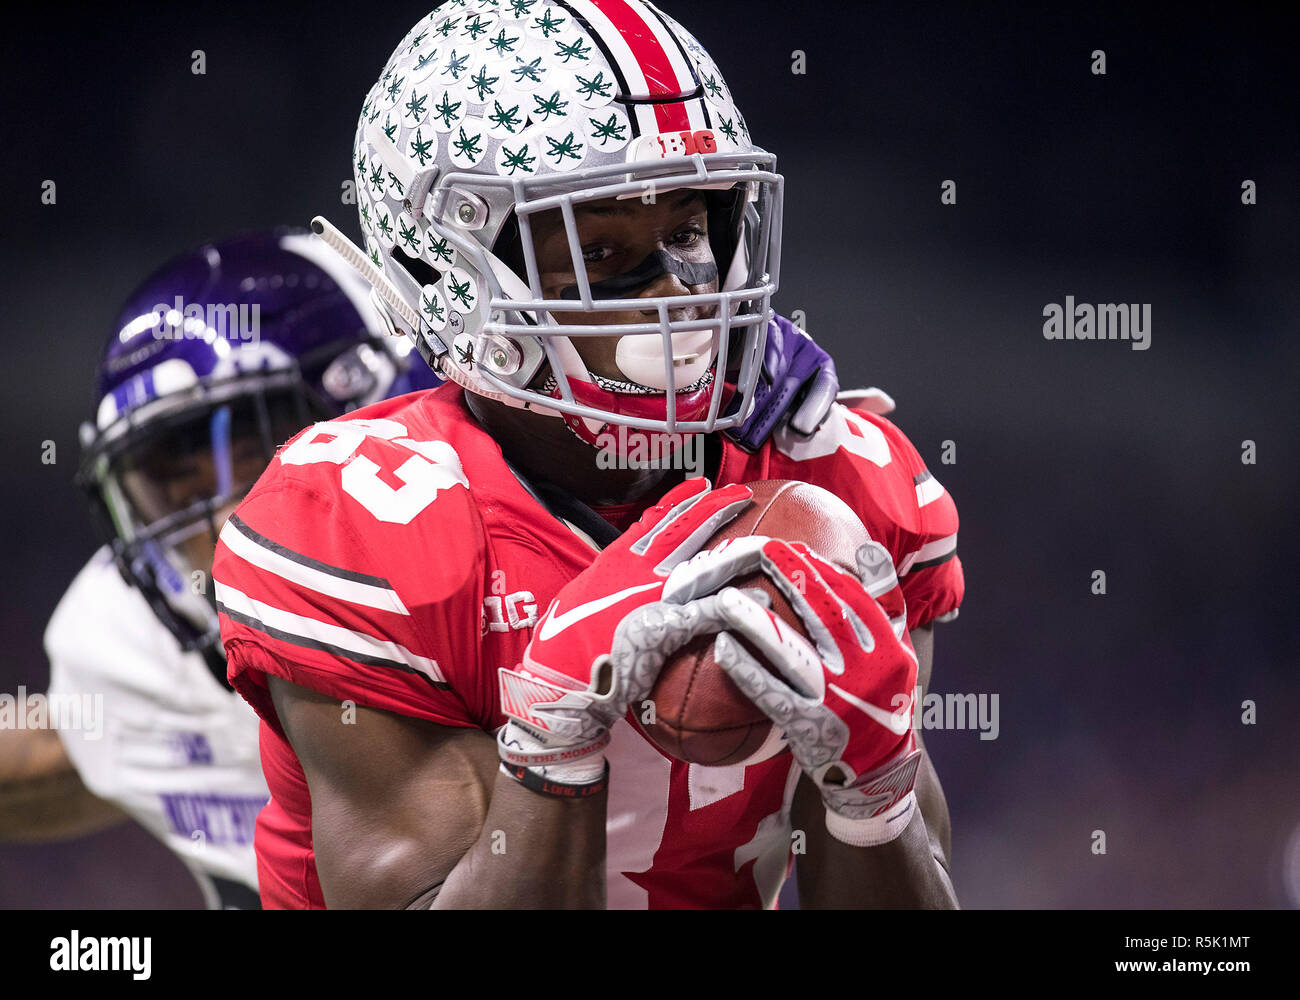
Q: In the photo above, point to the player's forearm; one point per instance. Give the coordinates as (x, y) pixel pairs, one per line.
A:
(903, 874)
(934, 807)
(534, 852)
(41, 795)
(910, 872)
(929, 792)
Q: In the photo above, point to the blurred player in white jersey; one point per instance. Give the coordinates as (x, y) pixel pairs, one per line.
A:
(217, 358)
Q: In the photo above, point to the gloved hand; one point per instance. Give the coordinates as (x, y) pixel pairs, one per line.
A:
(845, 701)
(601, 643)
(798, 380)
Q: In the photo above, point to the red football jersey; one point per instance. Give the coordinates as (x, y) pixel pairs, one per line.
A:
(391, 558)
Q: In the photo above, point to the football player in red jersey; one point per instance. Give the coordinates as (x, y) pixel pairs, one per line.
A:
(448, 609)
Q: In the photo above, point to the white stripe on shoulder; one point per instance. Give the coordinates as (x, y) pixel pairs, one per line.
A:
(366, 594)
(316, 633)
(928, 491)
(937, 549)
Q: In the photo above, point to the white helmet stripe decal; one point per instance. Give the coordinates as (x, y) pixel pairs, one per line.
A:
(673, 46)
(646, 53)
(698, 114)
(647, 122)
(685, 80)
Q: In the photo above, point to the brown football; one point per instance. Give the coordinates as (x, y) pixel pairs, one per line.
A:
(702, 717)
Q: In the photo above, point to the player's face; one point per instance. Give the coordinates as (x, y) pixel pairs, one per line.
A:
(616, 237)
(165, 480)
(217, 453)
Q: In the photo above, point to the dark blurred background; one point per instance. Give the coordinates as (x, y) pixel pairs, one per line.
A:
(1120, 712)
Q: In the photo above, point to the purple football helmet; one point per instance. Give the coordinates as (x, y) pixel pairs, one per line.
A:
(215, 360)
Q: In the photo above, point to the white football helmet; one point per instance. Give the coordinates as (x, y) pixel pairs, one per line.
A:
(492, 111)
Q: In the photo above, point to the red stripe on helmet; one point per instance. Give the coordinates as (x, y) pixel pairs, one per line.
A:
(673, 117)
(638, 33)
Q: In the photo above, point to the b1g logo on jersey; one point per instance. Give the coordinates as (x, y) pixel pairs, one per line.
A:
(509, 612)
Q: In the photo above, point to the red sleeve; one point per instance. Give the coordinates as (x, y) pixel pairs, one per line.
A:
(314, 588)
(925, 519)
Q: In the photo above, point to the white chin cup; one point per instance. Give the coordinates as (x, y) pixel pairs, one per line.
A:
(641, 358)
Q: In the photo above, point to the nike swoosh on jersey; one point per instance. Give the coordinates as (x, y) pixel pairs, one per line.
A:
(555, 624)
(896, 722)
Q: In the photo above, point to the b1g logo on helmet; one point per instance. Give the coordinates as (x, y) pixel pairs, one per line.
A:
(667, 145)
